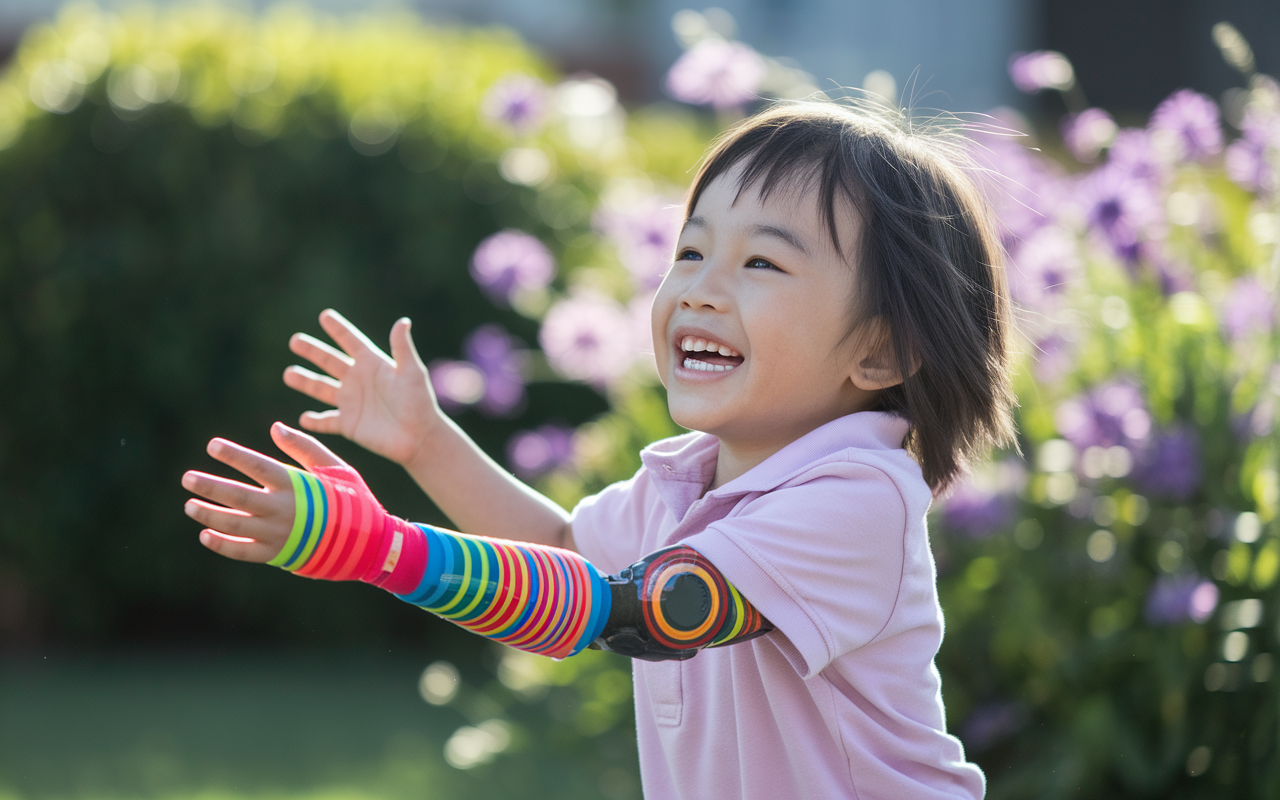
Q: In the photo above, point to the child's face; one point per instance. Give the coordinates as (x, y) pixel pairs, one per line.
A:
(749, 325)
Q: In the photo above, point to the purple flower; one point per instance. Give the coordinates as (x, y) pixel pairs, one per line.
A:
(1248, 165)
(987, 724)
(1173, 276)
(1169, 465)
(1025, 191)
(1257, 422)
(1133, 155)
(1252, 161)
(1042, 69)
(1248, 308)
(511, 261)
(1054, 358)
(645, 233)
(1175, 598)
(984, 501)
(978, 512)
(1043, 267)
(1111, 415)
(1087, 133)
(1190, 121)
(458, 384)
(717, 73)
(588, 337)
(1119, 209)
(536, 452)
(500, 358)
(518, 101)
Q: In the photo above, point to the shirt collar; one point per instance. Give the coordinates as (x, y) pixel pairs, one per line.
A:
(682, 467)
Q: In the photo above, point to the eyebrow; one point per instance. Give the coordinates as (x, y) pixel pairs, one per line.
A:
(772, 231)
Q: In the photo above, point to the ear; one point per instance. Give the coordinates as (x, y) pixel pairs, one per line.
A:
(874, 365)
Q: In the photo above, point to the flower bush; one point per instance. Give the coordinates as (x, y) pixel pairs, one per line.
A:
(1110, 592)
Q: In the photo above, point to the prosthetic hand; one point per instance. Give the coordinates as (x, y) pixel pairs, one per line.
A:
(543, 600)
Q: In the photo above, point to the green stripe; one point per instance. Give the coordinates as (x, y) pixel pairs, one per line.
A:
(299, 518)
(739, 616)
(318, 520)
(483, 556)
(466, 578)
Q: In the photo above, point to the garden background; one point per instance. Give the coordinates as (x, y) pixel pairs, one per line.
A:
(182, 189)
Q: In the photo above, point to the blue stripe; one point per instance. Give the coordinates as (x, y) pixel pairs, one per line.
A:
(601, 605)
(450, 557)
(489, 588)
(306, 529)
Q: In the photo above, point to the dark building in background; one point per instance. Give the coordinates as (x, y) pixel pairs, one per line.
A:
(1131, 54)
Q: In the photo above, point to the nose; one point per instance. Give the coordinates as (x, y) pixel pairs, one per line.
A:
(706, 288)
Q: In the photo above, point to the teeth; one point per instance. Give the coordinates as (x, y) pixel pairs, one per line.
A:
(702, 366)
(693, 344)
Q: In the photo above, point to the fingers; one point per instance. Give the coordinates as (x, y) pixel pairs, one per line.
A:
(303, 448)
(238, 548)
(348, 336)
(263, 469)
(312, 384)
(233, 494)
(324, 356)
(322, 421)
(403, 349)
(239, 523)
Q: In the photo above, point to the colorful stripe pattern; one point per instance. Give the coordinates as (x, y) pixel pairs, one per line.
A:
(686, 602)
(539, 599)
(339, 529)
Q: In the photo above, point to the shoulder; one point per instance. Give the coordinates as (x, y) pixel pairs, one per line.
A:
(824, 553)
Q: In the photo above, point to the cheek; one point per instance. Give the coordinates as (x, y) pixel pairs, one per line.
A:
(660, 315)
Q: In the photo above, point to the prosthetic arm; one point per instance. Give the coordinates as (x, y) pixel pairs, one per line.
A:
(544, 600)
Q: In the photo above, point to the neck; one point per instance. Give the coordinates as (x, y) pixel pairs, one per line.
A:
(732, 462)
(739, 453)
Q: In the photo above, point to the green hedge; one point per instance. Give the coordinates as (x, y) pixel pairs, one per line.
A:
(156, 256)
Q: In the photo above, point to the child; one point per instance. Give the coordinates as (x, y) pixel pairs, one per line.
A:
(833, 330)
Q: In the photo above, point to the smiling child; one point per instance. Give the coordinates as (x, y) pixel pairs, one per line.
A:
(833, 331)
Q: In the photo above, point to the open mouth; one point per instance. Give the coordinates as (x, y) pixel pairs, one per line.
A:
(705, 355)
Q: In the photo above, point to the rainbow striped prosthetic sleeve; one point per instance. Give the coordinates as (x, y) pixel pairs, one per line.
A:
(543, 600)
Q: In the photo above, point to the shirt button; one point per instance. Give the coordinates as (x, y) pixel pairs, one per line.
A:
(667, 467)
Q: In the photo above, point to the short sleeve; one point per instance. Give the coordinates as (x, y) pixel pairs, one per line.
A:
(823, 560)
(608, 527)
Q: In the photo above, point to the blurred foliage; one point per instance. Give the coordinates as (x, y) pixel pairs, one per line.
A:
(1111, 600)
(182, 191)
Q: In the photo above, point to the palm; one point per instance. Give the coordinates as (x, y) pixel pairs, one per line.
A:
(381, 408)
(384, 405)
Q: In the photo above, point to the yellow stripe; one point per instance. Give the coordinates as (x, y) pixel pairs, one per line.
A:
(484, 580)
(740, 617)
(299, 517)
(466, 577)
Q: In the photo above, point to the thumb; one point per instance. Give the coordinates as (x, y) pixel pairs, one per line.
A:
(303, 448)
(403, 349)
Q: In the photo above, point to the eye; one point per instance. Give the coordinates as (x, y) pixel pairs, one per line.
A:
(688, 255)
(760, 263)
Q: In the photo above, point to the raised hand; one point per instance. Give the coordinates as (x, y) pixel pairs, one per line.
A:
(252, 523)
(384, 404)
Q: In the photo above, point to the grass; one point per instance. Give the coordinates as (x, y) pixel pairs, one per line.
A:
(289, 725)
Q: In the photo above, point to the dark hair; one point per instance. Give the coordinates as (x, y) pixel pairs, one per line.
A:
(928, 263)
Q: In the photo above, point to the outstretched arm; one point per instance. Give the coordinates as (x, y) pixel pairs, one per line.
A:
(324, 523)
(386, 405)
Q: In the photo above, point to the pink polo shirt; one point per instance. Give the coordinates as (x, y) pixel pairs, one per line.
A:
(827, 539)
